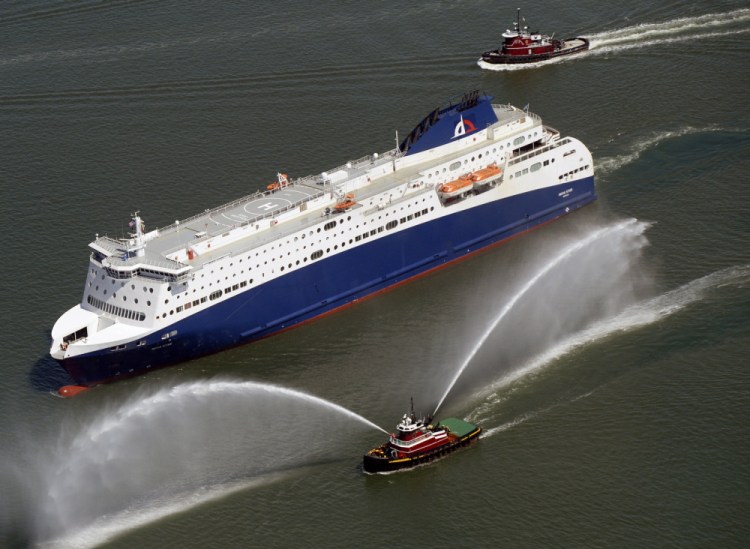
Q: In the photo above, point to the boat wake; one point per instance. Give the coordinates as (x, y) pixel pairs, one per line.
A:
(678, 30)
(635, 317)
(491, 431)
(176, 448)
(646, 35)
(608, 165)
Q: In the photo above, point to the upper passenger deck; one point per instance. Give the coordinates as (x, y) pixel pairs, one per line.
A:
(172, 252)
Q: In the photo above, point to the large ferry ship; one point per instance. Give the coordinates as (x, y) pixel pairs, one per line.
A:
(469, 175)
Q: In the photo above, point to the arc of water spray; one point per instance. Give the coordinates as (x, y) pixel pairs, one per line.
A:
(164, 398)
(559, 258)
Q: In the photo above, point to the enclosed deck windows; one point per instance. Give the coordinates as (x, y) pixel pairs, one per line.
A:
(115, 310)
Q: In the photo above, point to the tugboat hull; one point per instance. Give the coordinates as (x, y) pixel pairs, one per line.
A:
(571, 46)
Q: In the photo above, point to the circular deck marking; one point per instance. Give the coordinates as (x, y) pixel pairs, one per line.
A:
(262, 206)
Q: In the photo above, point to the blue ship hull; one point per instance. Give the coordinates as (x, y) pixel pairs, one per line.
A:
(333, 283)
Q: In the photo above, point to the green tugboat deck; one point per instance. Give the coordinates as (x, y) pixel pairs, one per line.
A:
(458, 427)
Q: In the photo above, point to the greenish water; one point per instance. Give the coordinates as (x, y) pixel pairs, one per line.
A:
(613, 390)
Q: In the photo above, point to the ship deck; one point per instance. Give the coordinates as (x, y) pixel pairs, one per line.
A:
(260, 206)
(245, 211)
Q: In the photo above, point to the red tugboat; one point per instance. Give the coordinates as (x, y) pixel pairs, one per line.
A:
(522, 46)
(418, 441)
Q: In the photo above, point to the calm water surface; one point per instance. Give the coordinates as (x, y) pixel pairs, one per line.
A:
(608, 350)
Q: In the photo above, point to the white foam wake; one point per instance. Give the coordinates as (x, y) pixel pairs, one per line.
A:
(607, 165)
(637, 316)
(612, 46)
(684, 28)
(634, 317)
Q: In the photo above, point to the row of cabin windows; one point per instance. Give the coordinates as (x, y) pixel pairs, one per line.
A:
(535, 167)
(563, 176)
(415, 214)
(122, 283)
(212, 296)
(391, 225)
(457, 164)
(328, 226)
(313, 256)
(115, 310)
(332, 224)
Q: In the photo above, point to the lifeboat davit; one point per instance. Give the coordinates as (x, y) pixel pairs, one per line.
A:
(282, 180)
(347, 203)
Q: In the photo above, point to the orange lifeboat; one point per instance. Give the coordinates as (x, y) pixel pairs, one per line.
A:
(467, 182)
(347, 203)
(282, 180)
(457, 187)
(485, 173)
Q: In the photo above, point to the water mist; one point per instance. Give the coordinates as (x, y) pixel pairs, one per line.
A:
(589, 277)
(177, 442)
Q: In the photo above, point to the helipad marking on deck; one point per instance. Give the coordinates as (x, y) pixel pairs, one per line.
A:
(278, 204)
